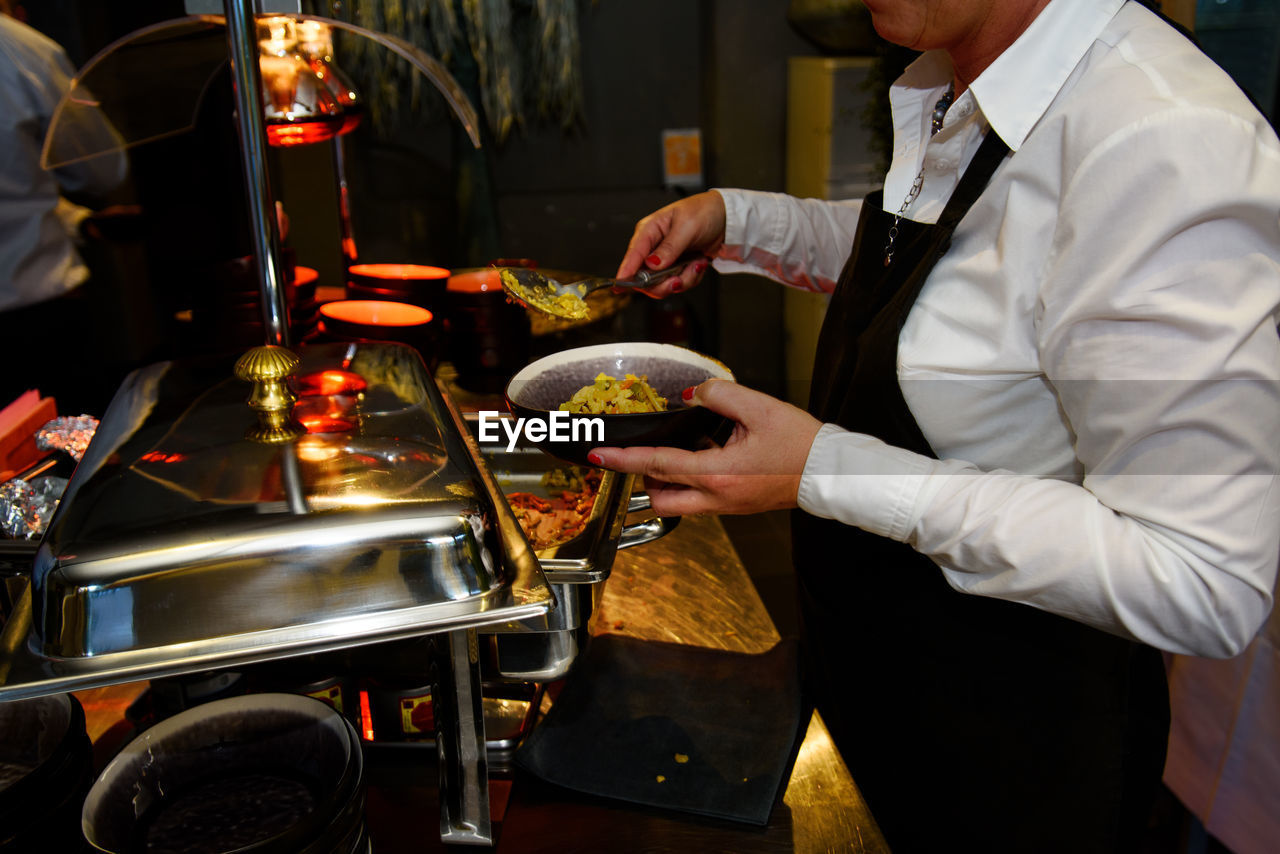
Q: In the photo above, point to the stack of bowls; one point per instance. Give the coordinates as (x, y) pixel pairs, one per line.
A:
(46, 766)
(263, 773)
(379, 320)
(226, 304)
(488, 335)
(415, 284)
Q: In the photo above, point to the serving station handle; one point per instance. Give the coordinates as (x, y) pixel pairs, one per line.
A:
(650, 529)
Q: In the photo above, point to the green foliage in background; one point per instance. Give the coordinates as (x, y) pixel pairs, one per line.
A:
(525, 54)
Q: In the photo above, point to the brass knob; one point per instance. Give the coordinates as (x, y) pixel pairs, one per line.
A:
(269, 367)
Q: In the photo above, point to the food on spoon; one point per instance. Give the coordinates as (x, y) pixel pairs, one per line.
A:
(544, 298)
(609, 395)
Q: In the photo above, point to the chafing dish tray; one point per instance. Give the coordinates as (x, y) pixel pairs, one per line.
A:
(575, 566)
(180, 544)
(587, 556)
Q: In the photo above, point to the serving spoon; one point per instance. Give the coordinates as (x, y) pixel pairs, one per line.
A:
(568, 299)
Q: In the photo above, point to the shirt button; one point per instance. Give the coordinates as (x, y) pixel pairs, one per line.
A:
(943, 165)
(964, 108)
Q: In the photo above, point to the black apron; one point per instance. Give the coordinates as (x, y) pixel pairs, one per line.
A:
(969, 723)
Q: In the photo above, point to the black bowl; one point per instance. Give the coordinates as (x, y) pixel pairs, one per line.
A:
(46, 767)
(537, 391)
(379, 320)
(262, 773)
(415, 284)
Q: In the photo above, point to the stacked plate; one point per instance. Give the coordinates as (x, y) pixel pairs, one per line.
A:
(46, 766)
(415, 284)
(261, 773)
(226, 305)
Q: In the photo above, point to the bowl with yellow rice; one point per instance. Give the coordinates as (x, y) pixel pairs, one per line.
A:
(616, 395)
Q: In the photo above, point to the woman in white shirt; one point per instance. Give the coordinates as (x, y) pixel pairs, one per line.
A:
(1049, 377)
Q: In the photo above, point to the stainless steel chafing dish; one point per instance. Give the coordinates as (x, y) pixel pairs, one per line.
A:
(186, 541)
(196, 534)
(179, 538)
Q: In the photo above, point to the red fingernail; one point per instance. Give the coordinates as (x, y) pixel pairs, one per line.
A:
(676, 287)
(653, 261)
(687, 394)
(595, 459)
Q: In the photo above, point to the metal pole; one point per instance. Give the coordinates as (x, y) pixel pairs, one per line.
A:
(460, 741)
(242, 46)
(346, 232)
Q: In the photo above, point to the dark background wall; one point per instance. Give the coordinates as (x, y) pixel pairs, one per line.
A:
(570, 200)
(567, 199)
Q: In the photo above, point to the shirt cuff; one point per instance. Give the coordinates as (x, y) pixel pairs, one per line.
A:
(859, 480)
(736, 211)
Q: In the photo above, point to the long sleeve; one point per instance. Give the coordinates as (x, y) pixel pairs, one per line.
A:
(802, 243)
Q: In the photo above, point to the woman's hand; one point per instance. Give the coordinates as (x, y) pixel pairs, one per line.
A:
(758, 468)
(692, 224)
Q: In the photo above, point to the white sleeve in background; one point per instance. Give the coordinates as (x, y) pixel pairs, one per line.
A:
(798, 242)
(1156, 330)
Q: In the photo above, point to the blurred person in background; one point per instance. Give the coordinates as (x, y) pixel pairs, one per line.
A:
(47, 323)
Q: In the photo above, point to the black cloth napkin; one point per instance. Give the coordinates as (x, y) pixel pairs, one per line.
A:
(685, 728)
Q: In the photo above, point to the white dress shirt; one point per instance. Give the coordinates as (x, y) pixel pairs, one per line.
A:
(1095, 361)
(38, 227)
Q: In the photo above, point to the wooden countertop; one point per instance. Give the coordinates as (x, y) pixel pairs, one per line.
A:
(690, 587)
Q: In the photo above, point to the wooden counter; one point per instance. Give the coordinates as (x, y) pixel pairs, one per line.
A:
(690, 587)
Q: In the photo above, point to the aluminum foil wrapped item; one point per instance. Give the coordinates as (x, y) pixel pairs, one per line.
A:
(27, 506)
(68, 434)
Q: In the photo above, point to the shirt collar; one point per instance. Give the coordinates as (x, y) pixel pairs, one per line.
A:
(1015, 91)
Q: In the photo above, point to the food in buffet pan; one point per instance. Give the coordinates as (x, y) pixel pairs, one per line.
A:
(576, 539)
(537, 392)
(559, 517)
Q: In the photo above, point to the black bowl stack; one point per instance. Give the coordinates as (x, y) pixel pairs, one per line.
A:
(226, 305)
(46, 767)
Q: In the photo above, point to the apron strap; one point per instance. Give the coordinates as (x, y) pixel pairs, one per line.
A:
(991, 153)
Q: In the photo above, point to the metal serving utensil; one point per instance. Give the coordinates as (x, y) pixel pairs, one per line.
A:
(567, 299)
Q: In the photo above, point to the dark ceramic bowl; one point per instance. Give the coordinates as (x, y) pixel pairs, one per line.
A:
(262, 773)
(46, 767)
(378, 320)
(537, 391)
(417, 284)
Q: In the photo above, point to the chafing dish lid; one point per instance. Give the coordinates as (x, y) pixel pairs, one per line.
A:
(177, 532)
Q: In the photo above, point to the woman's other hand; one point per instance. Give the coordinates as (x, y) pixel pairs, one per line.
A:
(758, 468)
(693, 224)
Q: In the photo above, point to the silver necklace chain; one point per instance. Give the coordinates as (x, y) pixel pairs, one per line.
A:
(935, 125)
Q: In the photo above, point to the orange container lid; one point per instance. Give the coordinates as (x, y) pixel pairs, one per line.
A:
(398, 271)
(476, 282)
(369, 312)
